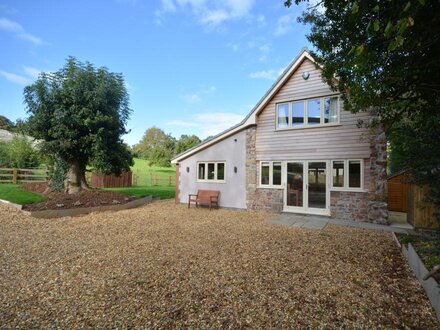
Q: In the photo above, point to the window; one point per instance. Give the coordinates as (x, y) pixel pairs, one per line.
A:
(338, 173)
(211, 171)
(331, 106)
(354, 174)
(270, 174)
(347, 174)
(314, 112)
(298, 113)
(308, 113)
(283, 115)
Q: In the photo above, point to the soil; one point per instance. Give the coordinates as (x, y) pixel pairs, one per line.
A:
(164, 266)
(85, 198)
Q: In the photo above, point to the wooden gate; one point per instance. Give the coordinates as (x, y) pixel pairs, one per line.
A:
(398, 192)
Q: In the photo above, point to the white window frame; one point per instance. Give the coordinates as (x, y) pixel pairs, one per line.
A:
(215, 180)
(271, 185)
(306, 113)
(345, 187)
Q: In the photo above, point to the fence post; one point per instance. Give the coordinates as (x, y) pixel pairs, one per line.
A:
(169, 180)
(14, 176)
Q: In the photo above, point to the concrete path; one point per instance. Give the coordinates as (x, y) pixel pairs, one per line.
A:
(319, 222)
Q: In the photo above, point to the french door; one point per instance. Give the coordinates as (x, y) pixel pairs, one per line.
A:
(306, 187)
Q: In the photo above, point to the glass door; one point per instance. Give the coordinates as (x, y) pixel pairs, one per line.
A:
(306, 187)
(295, 185)
(317, 185)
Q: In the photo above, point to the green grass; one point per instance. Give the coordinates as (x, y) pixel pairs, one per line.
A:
(143, 173)
(14, 194)
(162, 192)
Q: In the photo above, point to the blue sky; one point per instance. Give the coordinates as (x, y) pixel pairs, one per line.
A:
(191, 66)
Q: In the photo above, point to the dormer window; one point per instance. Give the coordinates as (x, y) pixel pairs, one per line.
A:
(308, 113)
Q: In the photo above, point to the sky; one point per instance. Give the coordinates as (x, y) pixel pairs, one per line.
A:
(190, 66)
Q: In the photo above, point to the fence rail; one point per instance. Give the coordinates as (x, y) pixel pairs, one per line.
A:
(23, 175)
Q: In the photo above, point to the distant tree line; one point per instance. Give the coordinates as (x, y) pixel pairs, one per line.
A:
(159, 147)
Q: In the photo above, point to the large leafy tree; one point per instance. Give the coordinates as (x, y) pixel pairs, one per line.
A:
(156, 146)
(186, 142)
(385, 56)
(80, 112)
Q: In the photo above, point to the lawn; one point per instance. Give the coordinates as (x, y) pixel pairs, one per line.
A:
(162, 192)
(143, 173)
(14, 194)
(164, 266)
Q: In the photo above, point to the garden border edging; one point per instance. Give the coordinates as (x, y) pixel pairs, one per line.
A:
(416, 264)
(47, 214)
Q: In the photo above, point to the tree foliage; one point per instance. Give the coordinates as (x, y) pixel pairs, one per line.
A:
(156, 146)
(81, 112)
(186, 142)
(19, 153)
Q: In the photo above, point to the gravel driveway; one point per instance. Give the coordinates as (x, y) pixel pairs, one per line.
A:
(164, 266)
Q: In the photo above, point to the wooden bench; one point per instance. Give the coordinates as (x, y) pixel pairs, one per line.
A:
(209, 197)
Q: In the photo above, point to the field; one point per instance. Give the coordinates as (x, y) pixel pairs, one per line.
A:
(147, 175)
(14, 193)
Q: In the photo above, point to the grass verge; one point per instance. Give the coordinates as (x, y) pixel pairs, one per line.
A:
(14, 194)
(162, 192)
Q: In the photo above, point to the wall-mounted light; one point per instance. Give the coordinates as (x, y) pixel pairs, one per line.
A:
(187, 169)
(306, 75)
(235, 140)
(235, 169)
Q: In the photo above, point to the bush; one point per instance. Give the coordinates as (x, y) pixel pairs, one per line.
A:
(19, 153)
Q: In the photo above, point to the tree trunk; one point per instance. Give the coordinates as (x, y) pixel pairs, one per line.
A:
(75, 178)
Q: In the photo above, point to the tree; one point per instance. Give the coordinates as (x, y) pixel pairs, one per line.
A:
(6, 124)
(385, 56)
(186, 142)
(156, 146)
(80, 113)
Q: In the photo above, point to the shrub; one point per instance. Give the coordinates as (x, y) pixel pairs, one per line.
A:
(19, 153)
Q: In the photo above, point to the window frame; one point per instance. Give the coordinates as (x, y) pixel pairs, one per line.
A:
(305, 102)
(346, 187)
(215, 180)
(270, 185)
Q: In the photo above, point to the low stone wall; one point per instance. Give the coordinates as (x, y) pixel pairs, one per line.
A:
(349, 205)
(47, 214)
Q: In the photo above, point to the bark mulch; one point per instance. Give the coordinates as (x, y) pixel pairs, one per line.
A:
(85, 198)
(166, 266)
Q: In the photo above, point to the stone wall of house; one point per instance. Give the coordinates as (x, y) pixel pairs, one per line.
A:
(251, 167)
(377, 206)
(349, 205)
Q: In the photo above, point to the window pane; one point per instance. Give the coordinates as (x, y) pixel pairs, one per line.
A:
(314, 112)
(354, 174)
(331, 110)
(338, 173)
(220, 171)
(276, 174)
(201, 171)
(265, 173)
(283, 115)
(211, 171)
(298, 113)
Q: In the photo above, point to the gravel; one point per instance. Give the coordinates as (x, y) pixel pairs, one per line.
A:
(164, 266)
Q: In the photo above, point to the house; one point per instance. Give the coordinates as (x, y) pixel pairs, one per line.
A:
(296, 151)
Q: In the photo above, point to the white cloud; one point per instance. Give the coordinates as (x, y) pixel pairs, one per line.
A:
(15, 78)
(18, 31)
(266, 74)
(196, 97)
(234, 47)
(284, 24)
(210, 13)
(211, 123)
(32, 72)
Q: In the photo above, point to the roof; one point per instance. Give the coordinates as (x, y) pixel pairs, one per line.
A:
(250, 119)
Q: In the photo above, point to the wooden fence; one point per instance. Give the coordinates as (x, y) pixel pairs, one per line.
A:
(160, 180)
(398, 192)
(111, 181)
(23, 175)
